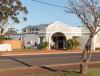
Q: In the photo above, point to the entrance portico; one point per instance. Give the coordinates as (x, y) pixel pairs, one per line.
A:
(59, 40)
(58, 33)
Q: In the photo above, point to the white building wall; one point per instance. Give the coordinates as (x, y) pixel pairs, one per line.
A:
(84, 37)
(30, 39)
(97, 39)
(76, 31)
(68, 31)
(5, 47)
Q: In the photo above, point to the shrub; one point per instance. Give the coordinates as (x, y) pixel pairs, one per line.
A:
(72, 43)
(3, 38)
(97, 48)
(45, 45)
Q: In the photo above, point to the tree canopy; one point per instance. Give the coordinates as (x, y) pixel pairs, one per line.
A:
(10, 9)
(88, 12)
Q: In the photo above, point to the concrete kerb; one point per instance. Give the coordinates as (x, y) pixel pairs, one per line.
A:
(9, 54)
(37, 53)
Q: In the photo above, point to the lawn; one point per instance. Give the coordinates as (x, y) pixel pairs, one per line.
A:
(57, 74)
(92, 72)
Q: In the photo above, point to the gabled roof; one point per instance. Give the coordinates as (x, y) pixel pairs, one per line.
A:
(58, 22)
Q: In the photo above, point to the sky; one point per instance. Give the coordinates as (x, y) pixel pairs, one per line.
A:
(43, 14)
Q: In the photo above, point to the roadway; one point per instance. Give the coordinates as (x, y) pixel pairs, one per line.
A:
(43, 60)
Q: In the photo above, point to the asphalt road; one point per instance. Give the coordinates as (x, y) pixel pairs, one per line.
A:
(41, 60)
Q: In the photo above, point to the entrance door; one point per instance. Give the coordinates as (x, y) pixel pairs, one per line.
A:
(59, 41)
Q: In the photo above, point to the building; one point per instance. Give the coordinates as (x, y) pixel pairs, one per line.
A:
(55, 34)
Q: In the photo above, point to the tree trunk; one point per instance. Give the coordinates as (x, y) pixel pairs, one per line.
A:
(84, 68)
(86, 56)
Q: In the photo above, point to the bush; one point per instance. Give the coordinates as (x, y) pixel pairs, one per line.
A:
(45, 45)
(97, 48)
(72, 43)
(3, 38)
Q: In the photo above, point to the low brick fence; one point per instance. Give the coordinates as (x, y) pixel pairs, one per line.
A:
(15, 44)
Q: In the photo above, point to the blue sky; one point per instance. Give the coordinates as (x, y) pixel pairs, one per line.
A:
(42, 13)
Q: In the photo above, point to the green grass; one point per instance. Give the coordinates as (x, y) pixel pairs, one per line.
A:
(57, 74)
(92, 72)
(27, 49)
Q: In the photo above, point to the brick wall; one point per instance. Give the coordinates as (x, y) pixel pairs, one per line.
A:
(16, 44)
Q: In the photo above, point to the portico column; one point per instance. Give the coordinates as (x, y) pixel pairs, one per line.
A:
(63, 43)
(38, 40)
(49, 43)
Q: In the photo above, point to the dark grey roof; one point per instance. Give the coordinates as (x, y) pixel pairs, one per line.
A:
(42, 25)
(36, 26)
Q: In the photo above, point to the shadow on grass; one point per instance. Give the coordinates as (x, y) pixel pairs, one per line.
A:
(55, 70)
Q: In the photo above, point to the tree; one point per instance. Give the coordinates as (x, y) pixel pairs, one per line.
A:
(11, 31)
(9, 10)
(88, 11)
